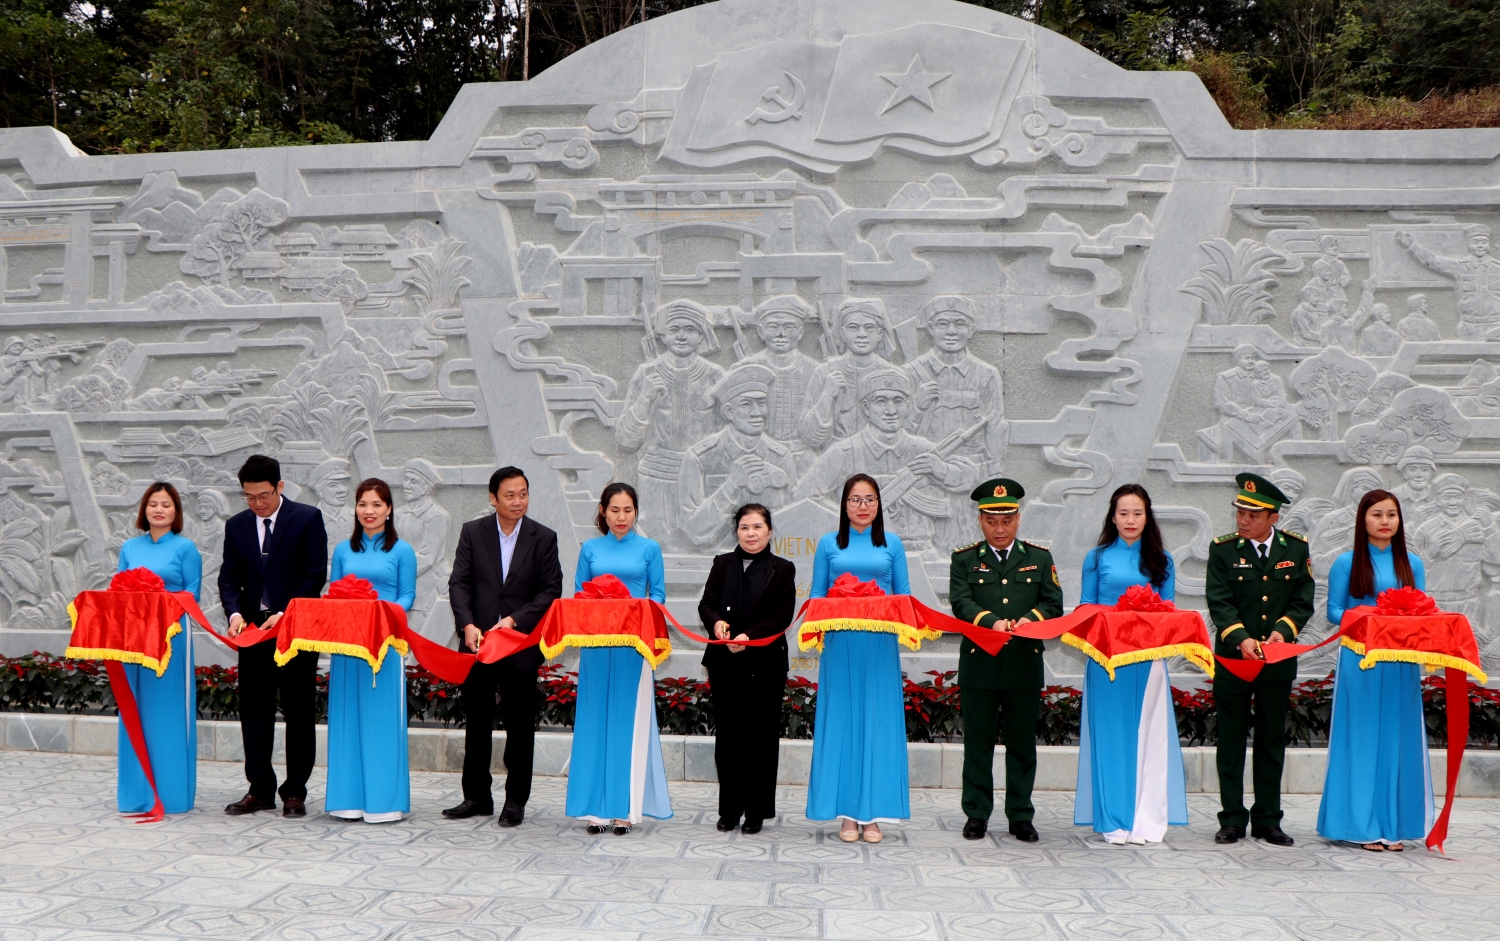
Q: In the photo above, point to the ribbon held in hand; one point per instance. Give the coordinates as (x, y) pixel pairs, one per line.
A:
(853, 605)
(351, 588)
(602, 588)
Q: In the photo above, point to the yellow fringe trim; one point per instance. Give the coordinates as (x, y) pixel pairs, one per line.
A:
(300, 644)
(1432, 661)
(1353, 645)
(906, 635)
(1196, 654)
(653, 657)
(159, 667)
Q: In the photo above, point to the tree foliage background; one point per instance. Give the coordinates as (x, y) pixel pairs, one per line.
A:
(123, 76)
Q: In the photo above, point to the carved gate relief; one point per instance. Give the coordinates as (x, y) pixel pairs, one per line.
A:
(736, 254)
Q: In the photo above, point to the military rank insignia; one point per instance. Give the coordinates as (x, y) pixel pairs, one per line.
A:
(1054, 577)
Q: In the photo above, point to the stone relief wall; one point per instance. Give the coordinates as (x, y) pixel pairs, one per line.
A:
(736, 254)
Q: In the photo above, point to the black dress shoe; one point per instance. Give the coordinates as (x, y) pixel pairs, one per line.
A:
(468, 809)
(752, 825)
(1229, 835)
(726, 824)
(1024, 831)
(512, 814)
(248, 804)
(1272, 834)
(974, 829)
(292, 807)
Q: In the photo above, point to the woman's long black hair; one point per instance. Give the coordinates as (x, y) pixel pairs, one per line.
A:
(1153, 556)
(877, 527)
(600, 522)
(383, 491)
(1362, 572)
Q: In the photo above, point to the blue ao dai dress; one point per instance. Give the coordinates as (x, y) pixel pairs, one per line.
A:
(859, 769)
(368, 775)
(1131, 785)
(168, 703)
(1378, 787)
(616, 770)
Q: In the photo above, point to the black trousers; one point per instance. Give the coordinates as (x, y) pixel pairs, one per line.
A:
(1008, 715)
(747, 740)
(1271, 693)
(520, 702)
(261, 680)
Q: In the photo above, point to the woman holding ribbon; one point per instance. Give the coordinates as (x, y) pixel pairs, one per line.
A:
(168, 704)
(1128, 795)
(1378, 789)
(367, 758)
(616, 775)
(859, 771)
(750, 594)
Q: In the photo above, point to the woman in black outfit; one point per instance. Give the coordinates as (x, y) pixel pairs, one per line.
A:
(750, 594)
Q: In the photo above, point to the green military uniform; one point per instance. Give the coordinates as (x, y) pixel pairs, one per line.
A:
(1250, 597)
(983, 589)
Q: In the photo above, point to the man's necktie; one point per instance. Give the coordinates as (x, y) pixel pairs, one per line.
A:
(265, 556)
(1262, 548)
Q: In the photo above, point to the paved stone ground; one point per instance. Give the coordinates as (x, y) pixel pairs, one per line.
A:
(70, 867)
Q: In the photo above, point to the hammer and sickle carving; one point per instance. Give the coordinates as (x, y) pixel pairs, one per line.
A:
(791, 107)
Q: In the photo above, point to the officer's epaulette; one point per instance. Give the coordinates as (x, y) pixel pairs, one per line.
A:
(969, 546)
(1297, 536)
(1037, 545)
(1226, 537)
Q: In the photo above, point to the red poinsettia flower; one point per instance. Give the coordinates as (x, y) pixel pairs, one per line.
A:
(351, 588)
(603, 588)
(1406, 602)
(848, 585)
(1143, 598)
(137, 579)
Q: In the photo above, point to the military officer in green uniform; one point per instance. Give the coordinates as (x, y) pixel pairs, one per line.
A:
(1259, 588)
(1001, 582)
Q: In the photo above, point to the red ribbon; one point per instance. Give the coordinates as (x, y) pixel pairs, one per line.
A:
(848, 597)
(848, 585)
(351, 588)
(130, 717)
(602, 588)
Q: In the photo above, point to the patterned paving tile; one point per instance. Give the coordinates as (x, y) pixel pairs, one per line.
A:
(204, 875)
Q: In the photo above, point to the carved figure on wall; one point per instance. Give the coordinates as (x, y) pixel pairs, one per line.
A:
(954, 391)
(1452, 542)
(668, 409)
(165, 398)
(1331, 276)
(1300, 515)
(1417, 468)
(423, 522)
(108, 481)
(913, 471)
(330, 481)
(739, 464)
(206, 519)
(1476, 278)
(1416, 326)
(30, 368)
(1252, 403)
(1335, 532)
(1307, 317)
(780, 322)
(1377, 339)
(862, 332)
(1339, 328)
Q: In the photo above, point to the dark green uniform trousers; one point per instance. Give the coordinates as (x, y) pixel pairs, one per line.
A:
(986, 712)
(1271, 693)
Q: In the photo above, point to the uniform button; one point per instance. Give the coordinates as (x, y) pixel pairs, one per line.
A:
(1265, 578)
(1265, 597)
(1005, 581)
(1242, 578)
(1005, 601)
(1262, 617)
(981, 581)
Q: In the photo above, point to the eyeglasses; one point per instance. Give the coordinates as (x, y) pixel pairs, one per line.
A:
(863, 501)
(259, 497)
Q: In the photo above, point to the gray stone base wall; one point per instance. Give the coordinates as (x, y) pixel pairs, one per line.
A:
(691, 757)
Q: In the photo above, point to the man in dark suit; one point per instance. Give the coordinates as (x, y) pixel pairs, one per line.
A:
(505, 574)
(274, 551)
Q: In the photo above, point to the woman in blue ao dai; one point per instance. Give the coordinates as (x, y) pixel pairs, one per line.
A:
(616, 775)
(1378, 788)
(859, 772)
(168, 703)
(368, 776)
(1131, 785)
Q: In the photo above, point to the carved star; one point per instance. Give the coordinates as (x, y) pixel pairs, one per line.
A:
(915, 83)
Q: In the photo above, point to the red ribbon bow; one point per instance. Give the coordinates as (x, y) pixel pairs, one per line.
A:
(1143, 598)
(1406, 602)
(137, 579)
(603, 588)
(848, 585)
(351, 588)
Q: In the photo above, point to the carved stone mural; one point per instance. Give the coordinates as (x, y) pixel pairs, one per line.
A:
(736, 254)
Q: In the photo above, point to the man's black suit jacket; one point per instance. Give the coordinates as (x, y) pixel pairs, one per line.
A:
(297, 566)
(478, 594)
